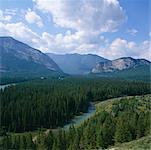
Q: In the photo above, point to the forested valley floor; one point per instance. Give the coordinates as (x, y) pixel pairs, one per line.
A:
(31, 107)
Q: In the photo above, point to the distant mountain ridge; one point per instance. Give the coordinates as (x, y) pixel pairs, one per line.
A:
(119, 65)
(76, 63)
(19, 57)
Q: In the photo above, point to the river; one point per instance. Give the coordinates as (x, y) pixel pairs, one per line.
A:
(77, 120)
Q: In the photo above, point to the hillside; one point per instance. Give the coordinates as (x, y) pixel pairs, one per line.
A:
(18, 58)
(141, 73)
(143, 143)
(138, 73)
(119, 65)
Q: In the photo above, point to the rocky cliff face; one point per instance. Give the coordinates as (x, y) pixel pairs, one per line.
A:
(119, 64)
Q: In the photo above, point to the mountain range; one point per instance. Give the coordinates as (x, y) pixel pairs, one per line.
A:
(76, 63)
(18, 58)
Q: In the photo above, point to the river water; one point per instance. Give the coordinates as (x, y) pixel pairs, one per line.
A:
(77, 120)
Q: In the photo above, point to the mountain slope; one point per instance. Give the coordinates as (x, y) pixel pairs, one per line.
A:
(134, 70)
(119, 64)
(76, 63)
(19, 58)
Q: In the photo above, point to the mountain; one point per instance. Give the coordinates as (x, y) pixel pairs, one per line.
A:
(119, 65)
(124, 68)
(76, 63)
(19, 58)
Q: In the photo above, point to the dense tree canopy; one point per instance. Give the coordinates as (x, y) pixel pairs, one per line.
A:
(116, 121)
(51, 103)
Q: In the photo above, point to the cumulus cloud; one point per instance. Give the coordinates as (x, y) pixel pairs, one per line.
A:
(133, 32)
(31, 17)
(123, 48)
(21, 32)
(59, 43)
(84, 15)
(89, 19)
(4, 16)
(70, 43)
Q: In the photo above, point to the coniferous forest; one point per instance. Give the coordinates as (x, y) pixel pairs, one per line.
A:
(51, 103)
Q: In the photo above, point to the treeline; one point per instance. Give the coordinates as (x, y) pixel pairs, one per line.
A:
(52, 103)
(117, 122)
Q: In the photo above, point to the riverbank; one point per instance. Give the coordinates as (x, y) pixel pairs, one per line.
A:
(76, 121)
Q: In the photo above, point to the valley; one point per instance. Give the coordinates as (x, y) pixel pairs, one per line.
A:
(140, 103)
(75, 75)
(72, 101)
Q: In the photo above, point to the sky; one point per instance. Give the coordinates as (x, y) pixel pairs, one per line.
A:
(109, 28)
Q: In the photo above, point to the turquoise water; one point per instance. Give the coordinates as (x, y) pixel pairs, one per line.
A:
(77, 120)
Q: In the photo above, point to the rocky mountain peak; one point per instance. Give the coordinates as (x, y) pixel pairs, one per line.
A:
(15, 51)
(119, 64)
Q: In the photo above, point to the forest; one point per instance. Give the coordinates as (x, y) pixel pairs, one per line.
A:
(51, 103)
(115, 121)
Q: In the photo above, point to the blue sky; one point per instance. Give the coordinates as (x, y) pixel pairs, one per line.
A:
(110, 28)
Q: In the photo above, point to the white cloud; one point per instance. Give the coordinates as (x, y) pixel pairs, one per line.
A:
(21, 32)
(73, 42)
(4, 16)
(122, 48)
(88, 19)
(31, 17)
(132, 32)
(69, 43)
(84, 15)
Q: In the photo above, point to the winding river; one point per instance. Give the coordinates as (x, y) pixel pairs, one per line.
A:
(76, 121)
